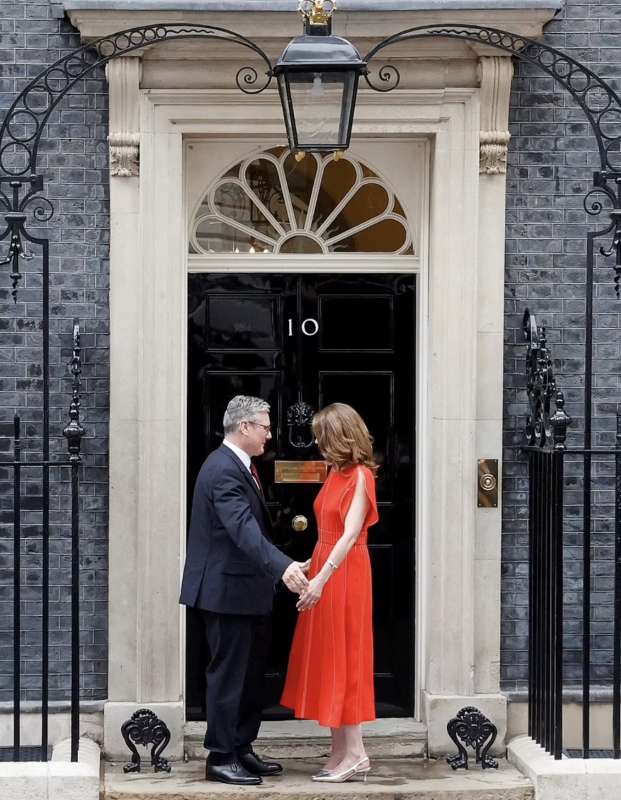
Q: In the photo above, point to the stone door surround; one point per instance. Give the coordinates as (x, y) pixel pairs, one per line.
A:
(453, 96)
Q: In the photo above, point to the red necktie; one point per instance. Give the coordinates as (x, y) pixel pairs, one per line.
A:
(255, 475)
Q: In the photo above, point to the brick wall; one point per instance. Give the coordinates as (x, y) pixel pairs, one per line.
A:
(73, 160)
(552, 157)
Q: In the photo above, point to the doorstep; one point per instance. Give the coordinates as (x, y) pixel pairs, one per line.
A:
(390, 779)
(297, 738)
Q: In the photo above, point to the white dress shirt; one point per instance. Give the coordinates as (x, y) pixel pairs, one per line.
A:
(241, 454)
(245, 459)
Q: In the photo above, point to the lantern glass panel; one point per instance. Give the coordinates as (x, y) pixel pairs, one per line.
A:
(320, 107)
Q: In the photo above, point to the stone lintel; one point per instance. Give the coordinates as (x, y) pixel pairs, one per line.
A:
(524, 18)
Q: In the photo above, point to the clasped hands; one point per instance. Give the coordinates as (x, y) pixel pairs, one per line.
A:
(296, 581)
(294, 577)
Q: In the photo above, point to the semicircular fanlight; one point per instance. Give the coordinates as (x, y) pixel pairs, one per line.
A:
(271, 203)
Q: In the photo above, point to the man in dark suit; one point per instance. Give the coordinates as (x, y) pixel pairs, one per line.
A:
(230, 574)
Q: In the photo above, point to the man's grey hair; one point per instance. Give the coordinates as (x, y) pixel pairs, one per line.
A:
(242, 408)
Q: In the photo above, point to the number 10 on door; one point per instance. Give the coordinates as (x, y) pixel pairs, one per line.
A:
(309, 327)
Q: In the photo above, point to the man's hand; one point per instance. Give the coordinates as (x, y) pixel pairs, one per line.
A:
(294, 578)
(306, 566)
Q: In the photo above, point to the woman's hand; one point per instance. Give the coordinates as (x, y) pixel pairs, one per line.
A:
(311, 595)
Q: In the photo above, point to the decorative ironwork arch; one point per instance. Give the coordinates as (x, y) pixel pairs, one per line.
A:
(25, 120)
(584, 85)
(599, 102)
(32, 107)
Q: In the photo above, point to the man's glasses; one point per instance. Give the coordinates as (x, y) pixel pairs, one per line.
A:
(266, 428)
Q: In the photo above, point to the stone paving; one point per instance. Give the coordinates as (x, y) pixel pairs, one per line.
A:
(390, 779)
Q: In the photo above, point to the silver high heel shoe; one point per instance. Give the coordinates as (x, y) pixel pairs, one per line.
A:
(362, 768)
(320, 774)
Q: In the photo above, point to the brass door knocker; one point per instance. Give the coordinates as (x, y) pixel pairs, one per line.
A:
(299, 421)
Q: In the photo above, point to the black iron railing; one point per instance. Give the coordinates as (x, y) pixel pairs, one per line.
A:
(548, 457)
(73, 433)
(545, 592)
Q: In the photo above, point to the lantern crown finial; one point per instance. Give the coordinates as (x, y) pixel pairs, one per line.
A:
(317, 12)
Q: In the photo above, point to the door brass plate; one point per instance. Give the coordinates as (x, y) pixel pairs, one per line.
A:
(300, 471)
(488, 483)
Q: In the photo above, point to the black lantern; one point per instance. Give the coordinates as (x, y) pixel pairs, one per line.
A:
(318, 80)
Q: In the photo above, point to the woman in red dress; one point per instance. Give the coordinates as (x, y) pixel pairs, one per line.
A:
(330, 675)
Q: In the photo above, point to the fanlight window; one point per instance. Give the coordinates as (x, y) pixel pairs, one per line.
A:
(272, 203)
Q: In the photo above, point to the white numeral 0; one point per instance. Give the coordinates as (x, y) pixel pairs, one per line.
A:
(314, 323)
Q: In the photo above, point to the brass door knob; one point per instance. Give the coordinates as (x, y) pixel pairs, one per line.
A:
(299, 523)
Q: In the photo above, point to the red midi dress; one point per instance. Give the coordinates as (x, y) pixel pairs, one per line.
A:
(330, 674)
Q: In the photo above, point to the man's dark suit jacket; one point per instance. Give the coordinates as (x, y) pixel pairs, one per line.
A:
(231, 566)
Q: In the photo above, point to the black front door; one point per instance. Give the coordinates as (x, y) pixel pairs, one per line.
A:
(315, 339)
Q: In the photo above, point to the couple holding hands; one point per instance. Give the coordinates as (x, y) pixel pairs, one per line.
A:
(232, 569)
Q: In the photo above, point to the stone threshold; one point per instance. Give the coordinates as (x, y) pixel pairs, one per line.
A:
(390, 779)
(393, 737)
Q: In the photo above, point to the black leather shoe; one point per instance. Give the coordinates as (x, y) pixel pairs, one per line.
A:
(257, 766)
(233, 772)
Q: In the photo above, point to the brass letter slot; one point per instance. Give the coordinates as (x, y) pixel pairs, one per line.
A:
(488, 483)
(300, 471)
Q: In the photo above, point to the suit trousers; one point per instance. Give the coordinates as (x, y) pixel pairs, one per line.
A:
(238, 646)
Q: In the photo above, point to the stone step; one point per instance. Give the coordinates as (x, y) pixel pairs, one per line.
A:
(390, 779)
(305, 739)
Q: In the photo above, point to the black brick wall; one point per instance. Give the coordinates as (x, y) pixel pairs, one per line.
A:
(552, 157)
(73, 160)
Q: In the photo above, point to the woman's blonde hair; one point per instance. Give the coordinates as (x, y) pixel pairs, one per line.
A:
(343, 437)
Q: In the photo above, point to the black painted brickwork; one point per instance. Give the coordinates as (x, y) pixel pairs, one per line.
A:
(552, 157)
(73, 159)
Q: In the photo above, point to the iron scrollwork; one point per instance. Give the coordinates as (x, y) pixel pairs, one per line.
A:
(25, 121)
(607, 187)
(145, 728)
(597, 99)
(543, 428)
(23, 125)
(74, 430)
(474, 730)
(20, 198)
(299, 420)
